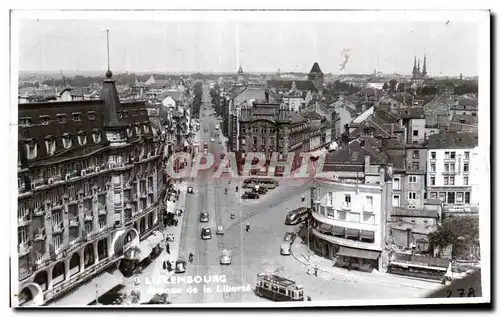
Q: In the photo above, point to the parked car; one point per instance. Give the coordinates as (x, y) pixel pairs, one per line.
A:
(220, 229)
(225, 257)
(170, 237)
(286, 244)
(190, 190)
(260, 190)
(206, 233)
(222, 156)
(204, 217)
(212, 139)
(250, 195)
(180, 266)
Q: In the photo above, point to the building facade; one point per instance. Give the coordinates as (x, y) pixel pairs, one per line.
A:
(89, 177)
(453, 161)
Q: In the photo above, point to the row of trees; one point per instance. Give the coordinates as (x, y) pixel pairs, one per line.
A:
(198, 95)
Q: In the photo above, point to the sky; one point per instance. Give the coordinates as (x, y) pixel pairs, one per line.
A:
(258, 46)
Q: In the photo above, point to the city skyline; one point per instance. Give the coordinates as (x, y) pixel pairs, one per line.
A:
(258, 46)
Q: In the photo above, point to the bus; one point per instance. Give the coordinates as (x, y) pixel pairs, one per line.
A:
(268, 183)
(418, 266)
(277, 288)
(297, 216)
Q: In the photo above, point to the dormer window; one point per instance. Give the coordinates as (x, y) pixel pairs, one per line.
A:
(66, 139)
(137, 129)
(134, 113)
(45, 120)
(120, 114)
(25, 122)
(77, 116)
(31, 149)
(62, 118)
(50, 144)
(91, 115)
(143, 112)
(96, 135)
(146, 128)
(125, 113)
(82, 138)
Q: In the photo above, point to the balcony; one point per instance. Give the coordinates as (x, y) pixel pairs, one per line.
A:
(88, 217)
(346, 206)
(143, 195)
(24, 221)
(40, 235)
(39, 212)
(58, 228)
(102, 212)
(23, 248)
(450, 160)
(450, 172)
(368, 209)
(74, 222)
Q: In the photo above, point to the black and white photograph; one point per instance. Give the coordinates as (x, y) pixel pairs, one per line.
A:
(252, 158)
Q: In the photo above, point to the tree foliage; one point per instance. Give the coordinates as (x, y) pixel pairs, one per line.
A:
(460, 232)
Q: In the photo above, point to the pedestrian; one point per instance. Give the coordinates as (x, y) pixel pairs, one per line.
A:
(164, 265)
(168, 248)
(316, 270)
(176, 222)
(308, 298)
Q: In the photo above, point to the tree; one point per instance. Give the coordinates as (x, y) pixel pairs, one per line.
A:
(462, 233)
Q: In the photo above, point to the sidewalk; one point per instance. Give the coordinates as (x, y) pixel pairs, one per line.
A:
(153, 270)
(301, 253)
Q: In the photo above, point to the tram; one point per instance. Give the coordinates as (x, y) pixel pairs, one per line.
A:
(277, 288)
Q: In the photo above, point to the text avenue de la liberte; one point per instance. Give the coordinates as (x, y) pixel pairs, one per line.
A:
(190, 284)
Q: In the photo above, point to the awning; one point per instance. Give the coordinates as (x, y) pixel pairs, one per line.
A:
(318, 153)
(340, 231)
(367, 234)
(325, 228)
(144, 250)
(155, 238)
(86, 293)
(358, 253)
(351, 232)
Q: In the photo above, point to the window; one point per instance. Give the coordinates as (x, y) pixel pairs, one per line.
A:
(263, 131)
(25, 122)
(433, 167)
(433, 195)
(466, 180)
(96, 136)
(395, 201)
(446, 155)
(255, 130)
(415, 166)
(45, 120)
(460, 197)
(446, 167)
(445, 180)
(56, 241)
(467, 197)
(88, 226)
(442, 197)
(66, 138)
(120, 114)
(146, 128)
(77, 116)
(451, 198)
(138, 129)
(415, 132)
(433, 180)
(255, 140)
(347, 199)
(416, 154)
(243, 130)
(82, 138)
(329, 199)
(31, 150)
(271, 142)
(412, 179)
(125, 113)
(466, 167)
(452, 180)
(396, 183)
(91, 115)
(466, 155)
(134, 113)
(22, 235)
(130, 132)
(330, 213)
(433, 155)
(50, 144)
(143, 112)
(369, 203)
(452, 155)
(412, 195)
(263, 141)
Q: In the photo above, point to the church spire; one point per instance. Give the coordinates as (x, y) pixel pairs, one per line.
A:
(414, 71)
(424, 70)
(418, 65)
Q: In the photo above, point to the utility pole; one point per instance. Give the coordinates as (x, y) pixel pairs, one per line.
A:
(97, 294)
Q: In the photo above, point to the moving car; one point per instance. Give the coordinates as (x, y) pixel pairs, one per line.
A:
(212, 139)
(250, 195)
(225, 257)
(190, 190)
(286, 244)
(206, 233)
(180, 266)
(220, 229)
(204, 217)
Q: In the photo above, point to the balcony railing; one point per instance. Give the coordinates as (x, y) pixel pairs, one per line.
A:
(40, 235)
(346, 206)
(102, 211)
(450, 172)
(88, 217)
(23, 248)
(24, 220)
(74, 222)
(58, 228)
